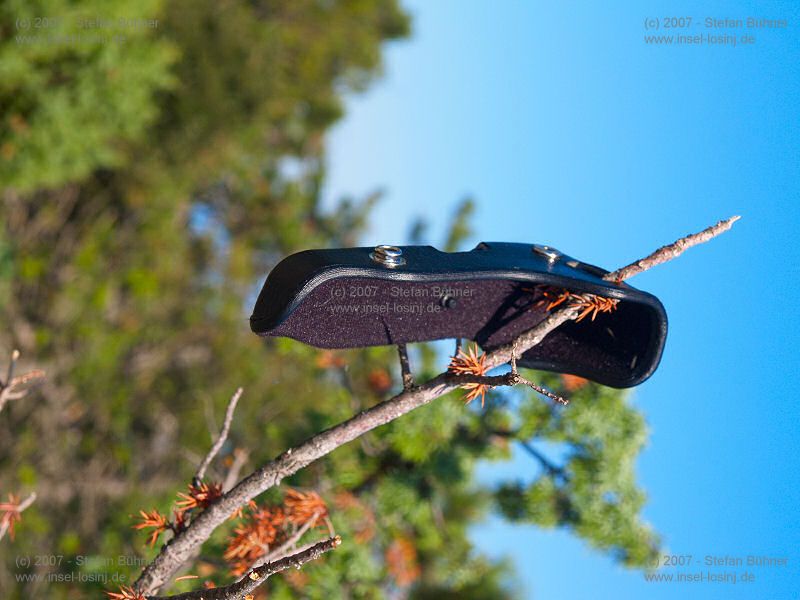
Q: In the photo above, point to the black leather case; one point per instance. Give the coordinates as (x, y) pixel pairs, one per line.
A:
(347, 298)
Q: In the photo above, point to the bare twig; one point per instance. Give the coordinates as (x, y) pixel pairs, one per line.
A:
(27, 502)
(506, 379)
(238, 462)
(181, 547)
(329, 525)
(671, 251)
(540, 390)
(259, 575)
(226, 427)
(516, 379)
(405, 369)
(11, 389)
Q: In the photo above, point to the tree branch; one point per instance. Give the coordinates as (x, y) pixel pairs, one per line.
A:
(258, 576)
(670, 251)
(226, 427)
(174, 553)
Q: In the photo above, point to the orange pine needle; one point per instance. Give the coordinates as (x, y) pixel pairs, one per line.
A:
(155, 520)
(261, 529)
(588, 304)
(472, 362)
(304, 507)
(199, 496)
(126, 593)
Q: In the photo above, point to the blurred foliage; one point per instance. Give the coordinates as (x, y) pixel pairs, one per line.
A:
(592, 488)
(460, 229)
(148, 186)
(70, 107)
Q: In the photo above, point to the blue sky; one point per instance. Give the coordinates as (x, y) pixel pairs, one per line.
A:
(569, 130)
